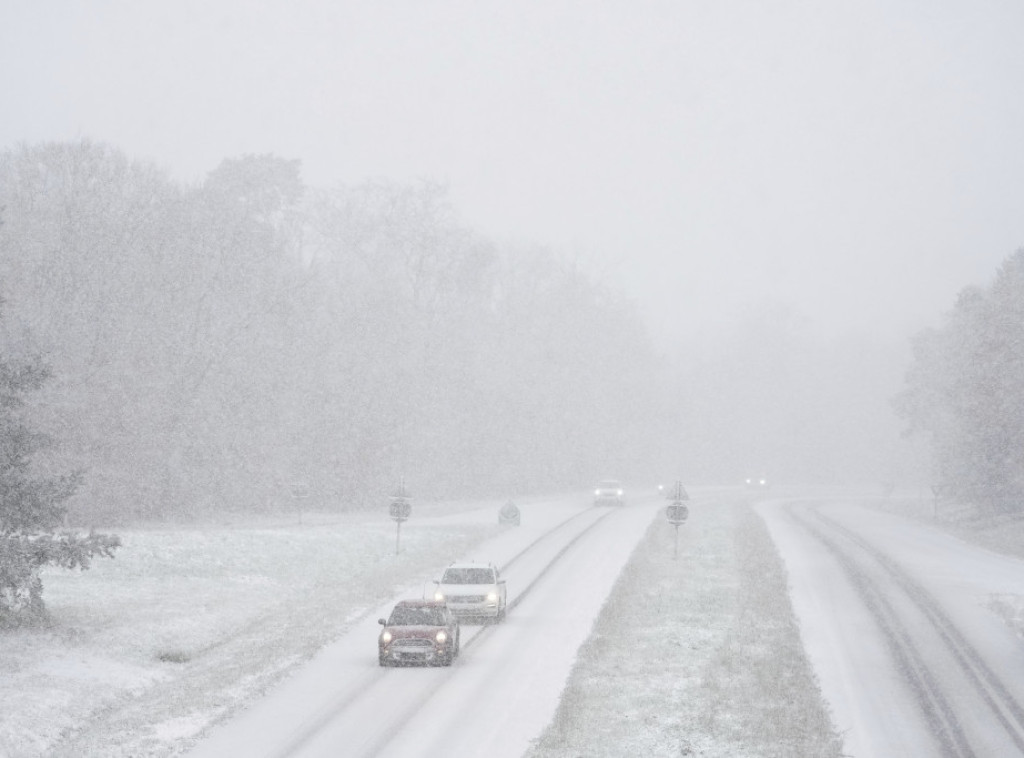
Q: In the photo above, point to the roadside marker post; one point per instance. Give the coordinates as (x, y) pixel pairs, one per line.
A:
(677, 513)
(300, 491)
(400, 510)
(939, 492)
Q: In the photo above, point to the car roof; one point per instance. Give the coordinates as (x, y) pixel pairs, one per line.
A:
(469, 564)
(420, 604)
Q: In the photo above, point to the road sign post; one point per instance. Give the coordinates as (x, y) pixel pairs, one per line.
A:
(300, 491)
(400, 510)
(939, 492)
(677, 513)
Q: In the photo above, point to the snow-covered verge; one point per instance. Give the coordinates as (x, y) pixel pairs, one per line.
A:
(1000, 533)
(698, 655)
(187, 625)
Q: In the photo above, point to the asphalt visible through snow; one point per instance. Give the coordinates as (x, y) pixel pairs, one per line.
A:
(503, 689)
(895, 617)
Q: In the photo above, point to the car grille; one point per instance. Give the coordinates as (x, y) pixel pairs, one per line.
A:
(413, 643)
(466, 598)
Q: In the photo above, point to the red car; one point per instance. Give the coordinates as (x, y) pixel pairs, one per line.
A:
(419, 631)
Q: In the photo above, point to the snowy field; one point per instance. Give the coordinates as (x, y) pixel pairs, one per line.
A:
(186, 625)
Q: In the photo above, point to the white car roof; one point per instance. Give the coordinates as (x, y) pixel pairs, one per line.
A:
(468, 564)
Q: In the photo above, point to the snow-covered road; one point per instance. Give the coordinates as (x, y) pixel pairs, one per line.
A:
(896, 619)
(505, 686)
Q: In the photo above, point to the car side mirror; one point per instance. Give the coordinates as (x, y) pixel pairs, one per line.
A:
(382, 622)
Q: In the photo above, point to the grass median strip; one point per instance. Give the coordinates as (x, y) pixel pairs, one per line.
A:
(698, 655)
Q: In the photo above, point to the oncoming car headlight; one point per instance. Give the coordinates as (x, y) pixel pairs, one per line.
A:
(442, 637)
(492, 597)
(385, 637)
(597, 493)
(439, 596)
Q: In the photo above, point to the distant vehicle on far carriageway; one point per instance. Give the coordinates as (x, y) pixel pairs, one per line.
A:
(758, 482)
(609, 492)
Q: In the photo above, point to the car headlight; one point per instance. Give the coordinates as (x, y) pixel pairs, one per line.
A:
(442, 637)
(439, 596)
(492, 597)
(385, 637)
(597, 493)
(620, 493)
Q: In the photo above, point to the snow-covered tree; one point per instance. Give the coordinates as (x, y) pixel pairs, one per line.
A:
(216, 342)
(965, 389)
(32, 507)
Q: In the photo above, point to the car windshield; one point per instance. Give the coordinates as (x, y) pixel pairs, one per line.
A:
(413, 616)
(468, 576)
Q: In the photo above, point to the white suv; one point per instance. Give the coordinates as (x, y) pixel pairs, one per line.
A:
(472, 590)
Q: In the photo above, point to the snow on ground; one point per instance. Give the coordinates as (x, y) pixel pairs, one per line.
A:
(692, 656)
(1001, 533)
(697, 655)
(978, 589)
(186, 625)
(344, 698)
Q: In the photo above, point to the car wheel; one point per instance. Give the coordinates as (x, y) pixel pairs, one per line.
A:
(501, 615)
(457, 644)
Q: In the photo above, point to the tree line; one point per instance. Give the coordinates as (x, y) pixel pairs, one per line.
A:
(965, 392)
(215, 344)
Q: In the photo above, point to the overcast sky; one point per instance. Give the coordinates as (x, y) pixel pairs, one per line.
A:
(861, 161)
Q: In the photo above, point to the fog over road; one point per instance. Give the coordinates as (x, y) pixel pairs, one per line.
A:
(897, 620)
(502, 690)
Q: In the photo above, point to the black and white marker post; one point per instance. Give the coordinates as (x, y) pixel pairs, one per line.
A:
(400, 509)
(677, 513)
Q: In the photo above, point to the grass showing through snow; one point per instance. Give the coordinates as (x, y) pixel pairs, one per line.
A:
(695, 656)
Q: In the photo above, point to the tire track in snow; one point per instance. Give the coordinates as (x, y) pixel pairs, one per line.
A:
(400, 715)
(901, 617)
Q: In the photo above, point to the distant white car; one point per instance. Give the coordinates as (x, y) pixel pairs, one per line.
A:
(609, 491)
(472, 590)
(759, 482)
